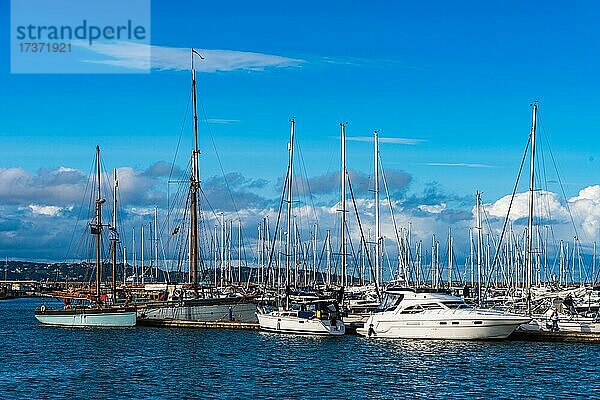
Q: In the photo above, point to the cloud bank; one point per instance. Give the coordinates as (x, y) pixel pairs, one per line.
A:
(42, 216)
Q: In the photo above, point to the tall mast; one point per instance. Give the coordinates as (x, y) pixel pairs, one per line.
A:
(479, 248)
(194, 184)
(124, 264)
(531, 198)
(142, 254)
(343, 200)
(376, 190)
(135, 272)
(114, 235)
(450, 258)
(98, 227)
(288, 249)
(222, 251)
(239, 251)
(155, 238)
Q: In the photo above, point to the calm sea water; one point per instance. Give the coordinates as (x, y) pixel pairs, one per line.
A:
(46, 362)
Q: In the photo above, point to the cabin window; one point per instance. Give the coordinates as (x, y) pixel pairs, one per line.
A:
(478, 322)
(455, 322)
(305, 314)
(412, 309)
(455, 305)
(389, 302)
(431, 306)
(443, 323)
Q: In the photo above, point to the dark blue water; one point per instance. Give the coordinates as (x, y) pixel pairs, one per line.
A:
(45, 362)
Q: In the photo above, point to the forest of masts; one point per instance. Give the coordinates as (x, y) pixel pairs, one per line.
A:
(285, 254)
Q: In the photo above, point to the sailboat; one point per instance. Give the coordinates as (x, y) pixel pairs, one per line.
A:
(91, 310)
(315, 317)
(197, 305)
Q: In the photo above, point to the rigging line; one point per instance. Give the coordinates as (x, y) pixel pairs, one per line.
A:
(185, 115)
(212, 139)
(278, 219)
(387, 192)
(496, 255)
(559, 178)
(310, 196)
(362, 236)
(84, 195)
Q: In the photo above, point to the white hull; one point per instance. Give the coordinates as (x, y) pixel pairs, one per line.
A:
(410, 314)
(462, 329)
(83, 319)
(274, 322)
(581, 324)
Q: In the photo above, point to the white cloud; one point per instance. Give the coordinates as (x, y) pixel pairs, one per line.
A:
(436, 209)
(45, 210)
(586, 209)
(65, 169)
(547, 205)
(141, 210)
(145, 57)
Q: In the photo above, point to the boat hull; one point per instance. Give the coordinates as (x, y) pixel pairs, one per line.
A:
(300, 326)
(454, 329)
(575, 324)
(209, 310)
(113, 318)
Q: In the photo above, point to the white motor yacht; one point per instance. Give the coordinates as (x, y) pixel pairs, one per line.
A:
(414, 314)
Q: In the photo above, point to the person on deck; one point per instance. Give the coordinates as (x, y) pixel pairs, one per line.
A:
(554, 319)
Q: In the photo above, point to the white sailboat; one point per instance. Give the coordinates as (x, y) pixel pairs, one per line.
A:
(318, 317)
(413, 314)
(95, 313)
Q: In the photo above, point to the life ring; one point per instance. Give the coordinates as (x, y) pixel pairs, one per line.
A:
(43, 308)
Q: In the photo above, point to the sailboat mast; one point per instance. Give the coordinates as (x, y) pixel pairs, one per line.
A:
(376, 190)
(531, 198)
(98, 229)
(113, 235)
(142, 254)
(194, 184)
(343, 200)
(288, 249)
(156, 242)
(479, 248)
(239, 251)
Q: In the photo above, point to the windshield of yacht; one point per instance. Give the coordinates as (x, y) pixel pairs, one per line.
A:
(455, 305)
(389, 302)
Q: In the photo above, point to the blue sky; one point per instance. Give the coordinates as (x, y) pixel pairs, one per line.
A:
(457, 76)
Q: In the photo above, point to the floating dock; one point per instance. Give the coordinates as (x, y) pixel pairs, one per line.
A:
(561, 336)
(177, 323)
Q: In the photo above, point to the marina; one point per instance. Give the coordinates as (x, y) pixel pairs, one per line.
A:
(319, 200)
